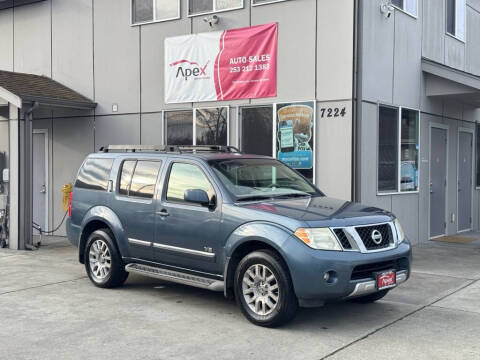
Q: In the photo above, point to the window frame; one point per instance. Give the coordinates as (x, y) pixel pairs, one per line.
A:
(119, 177)
(194, 121)
(405, 11)
(214, 11)
(455, 36)
(266, 2)
(184, 203)
(399, 148)
(132, 23)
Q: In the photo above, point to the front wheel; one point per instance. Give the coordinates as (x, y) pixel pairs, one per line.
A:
(103, 263)
(264, 290)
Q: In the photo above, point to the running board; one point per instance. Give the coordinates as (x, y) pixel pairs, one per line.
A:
(175, 276)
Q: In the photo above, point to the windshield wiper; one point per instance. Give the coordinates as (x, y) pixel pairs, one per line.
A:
(293, 195)
(254, 197)
(271, 197)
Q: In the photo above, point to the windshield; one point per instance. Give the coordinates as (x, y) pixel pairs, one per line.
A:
(256, 179)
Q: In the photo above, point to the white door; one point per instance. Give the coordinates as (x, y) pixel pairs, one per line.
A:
(40, 203)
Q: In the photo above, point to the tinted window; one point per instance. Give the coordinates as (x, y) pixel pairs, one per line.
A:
(144, 179)
(142, 11)
(257, 130)
(211, 126)
(451, 16)
(126, 177)
(179, 127)
(184, 177)
(94, 174)
(199, 6)
(387, 149)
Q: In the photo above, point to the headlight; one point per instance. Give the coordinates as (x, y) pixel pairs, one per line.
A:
(400, 233)
(318, 238)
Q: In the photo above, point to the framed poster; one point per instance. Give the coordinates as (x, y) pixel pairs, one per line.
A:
(295, 136)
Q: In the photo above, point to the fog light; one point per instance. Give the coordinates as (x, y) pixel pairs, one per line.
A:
(330, 277)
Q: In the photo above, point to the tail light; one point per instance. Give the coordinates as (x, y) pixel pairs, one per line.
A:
(70, 198)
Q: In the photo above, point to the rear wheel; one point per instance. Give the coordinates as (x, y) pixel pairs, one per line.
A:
(371, 297)
(103, 263)
(264, 290)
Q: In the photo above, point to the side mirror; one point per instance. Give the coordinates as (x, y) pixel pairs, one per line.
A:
(197, 196)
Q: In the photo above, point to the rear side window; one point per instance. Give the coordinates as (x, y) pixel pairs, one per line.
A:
(94, 174)
(138, 178)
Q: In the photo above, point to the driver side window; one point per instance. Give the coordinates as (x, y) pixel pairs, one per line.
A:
(184, 177)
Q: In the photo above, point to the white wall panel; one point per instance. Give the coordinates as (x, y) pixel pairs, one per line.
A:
(117, 58)
(296, 46)
(32, 37)
(335, 49)
(152, 129)
(117, 130)
(6, 39)
(72, 45)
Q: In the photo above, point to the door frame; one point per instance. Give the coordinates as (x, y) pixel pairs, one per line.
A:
(472, 132)
(47, 177)
(447, 145)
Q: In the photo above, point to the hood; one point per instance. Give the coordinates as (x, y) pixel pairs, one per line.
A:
(322, 211)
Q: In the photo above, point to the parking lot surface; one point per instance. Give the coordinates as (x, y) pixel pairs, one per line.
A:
(56, 313)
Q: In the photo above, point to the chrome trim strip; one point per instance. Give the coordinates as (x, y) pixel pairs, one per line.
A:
(184, 250)
(368, 287)
(139, 242)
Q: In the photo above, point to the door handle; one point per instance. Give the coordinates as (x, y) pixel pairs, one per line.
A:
(431, 188)
(44, 189)
(163, 213)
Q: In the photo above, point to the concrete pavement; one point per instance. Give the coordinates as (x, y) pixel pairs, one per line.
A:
(50, 310)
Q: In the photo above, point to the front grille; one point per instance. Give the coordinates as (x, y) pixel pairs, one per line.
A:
(366, 271)
(343, 239)
(365, 233)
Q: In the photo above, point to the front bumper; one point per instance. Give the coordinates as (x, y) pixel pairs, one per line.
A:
(352, 273)
(367, 287)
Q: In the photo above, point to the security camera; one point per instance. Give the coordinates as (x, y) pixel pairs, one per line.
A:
(386, 8)
(211, 20)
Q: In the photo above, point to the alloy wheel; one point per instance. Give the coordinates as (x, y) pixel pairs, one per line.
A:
(100, 260)
(260, 289)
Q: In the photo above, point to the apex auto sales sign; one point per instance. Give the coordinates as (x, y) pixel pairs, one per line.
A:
(222, 65)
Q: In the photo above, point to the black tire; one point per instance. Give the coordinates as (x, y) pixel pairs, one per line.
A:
(287, 304)
(367, 299)
(116, 275)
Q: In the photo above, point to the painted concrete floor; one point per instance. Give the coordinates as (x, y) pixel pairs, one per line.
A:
(49, 310)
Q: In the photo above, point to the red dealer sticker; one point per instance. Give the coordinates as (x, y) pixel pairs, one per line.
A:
(386, 279)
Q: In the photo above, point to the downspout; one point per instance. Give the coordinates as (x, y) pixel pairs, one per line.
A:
(28, 233)
(357, 102)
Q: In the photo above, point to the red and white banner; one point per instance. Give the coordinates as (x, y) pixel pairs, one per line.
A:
(222, 65)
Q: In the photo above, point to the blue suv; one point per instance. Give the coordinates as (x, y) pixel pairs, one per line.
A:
(247, 225)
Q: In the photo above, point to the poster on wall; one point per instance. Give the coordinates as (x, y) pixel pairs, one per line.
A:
(295, 136)
(222, 65)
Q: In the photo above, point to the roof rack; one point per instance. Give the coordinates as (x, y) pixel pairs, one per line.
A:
(170, 148)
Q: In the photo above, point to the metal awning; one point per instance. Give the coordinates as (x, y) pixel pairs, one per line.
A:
(23, 89)
(444, 81)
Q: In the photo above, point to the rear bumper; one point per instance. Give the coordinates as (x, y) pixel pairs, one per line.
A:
(73, 232)
(352, 273)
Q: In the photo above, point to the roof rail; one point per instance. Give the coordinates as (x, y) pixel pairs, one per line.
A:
(170, 148)
(137, 148)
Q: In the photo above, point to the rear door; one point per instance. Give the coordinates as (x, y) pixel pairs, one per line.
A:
(134, 203)
(187, 235)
